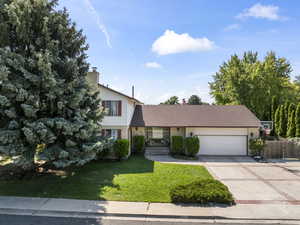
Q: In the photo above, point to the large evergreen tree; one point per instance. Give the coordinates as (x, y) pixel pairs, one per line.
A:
(44, 97)
(297, 120)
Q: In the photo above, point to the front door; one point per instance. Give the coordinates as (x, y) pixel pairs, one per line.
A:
(157, 136)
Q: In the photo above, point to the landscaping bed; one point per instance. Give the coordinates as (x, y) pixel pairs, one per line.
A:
(136, 179)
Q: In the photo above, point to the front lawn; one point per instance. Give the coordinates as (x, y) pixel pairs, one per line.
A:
(136, 179)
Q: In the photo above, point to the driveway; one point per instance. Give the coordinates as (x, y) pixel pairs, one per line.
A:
(251, 182)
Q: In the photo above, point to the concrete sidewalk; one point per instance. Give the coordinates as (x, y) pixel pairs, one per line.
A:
(86, 208)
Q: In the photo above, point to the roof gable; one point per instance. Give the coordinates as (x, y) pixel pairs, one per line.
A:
(119, 93)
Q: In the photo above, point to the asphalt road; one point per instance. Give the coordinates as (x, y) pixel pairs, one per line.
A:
(38, 220)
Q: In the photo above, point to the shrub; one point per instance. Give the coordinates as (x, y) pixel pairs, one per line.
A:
(192, 146)
(177, 145)
(256, 146)
(121, 148)
(138, 144)
(203, 191)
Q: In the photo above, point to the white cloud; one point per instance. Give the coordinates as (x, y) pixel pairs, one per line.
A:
(154, 65)
(171, 43)
(269, 12)
(100, 24)
(234, 26)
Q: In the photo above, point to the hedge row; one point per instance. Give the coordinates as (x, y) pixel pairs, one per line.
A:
(188, 146)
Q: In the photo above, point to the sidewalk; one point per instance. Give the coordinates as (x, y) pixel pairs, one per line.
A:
(86, 208)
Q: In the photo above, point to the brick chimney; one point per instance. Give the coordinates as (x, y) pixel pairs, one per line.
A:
(93, 76)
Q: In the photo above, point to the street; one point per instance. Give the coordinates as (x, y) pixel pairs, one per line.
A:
(43, 220)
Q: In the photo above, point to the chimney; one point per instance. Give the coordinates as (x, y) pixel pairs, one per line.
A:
(93, 76)
(132, 91)
(94, 69)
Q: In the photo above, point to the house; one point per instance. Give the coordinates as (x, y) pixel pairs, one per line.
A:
(119, 108)
(222, 130)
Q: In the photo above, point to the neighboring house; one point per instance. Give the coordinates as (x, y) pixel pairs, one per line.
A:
(222, 130)
(119, 109)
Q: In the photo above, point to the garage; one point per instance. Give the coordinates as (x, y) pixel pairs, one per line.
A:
(223, 145)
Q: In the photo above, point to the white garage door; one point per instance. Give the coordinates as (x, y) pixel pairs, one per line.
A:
(223, 145)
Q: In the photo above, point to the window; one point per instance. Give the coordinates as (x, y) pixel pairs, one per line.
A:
(112, 108)
(113, 133)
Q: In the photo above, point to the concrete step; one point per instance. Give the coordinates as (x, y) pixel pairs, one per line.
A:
(157, 151)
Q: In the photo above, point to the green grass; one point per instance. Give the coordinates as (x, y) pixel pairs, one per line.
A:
(136, 179)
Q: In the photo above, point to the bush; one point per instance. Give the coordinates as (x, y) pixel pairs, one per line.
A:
(177, 145)
(256, 146)
(121, 148)
(192, 146)
(203, 191)
(138, 144)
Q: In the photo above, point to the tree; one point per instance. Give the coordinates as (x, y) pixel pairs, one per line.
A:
(252, 82)
(277, 120)
(291, 126)
(274, 106)
(282, 122)
(194, 100)
(47, 109)
(171, 101)
(297, 120)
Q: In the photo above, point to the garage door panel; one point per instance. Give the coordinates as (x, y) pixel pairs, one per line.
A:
(222, 145)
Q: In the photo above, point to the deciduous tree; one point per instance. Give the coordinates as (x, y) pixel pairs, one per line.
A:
(253, 83)
(171, 101)
(194, 100)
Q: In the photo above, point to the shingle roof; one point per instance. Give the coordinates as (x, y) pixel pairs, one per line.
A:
(193, 116)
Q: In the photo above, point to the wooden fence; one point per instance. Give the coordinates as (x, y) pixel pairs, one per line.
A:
(281, 149)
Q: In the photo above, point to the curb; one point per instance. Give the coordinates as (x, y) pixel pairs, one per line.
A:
(54, 213)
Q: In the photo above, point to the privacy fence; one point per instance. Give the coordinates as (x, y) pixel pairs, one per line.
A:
(281, 149)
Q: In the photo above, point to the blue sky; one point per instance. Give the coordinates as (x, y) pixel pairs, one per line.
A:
(173, 47)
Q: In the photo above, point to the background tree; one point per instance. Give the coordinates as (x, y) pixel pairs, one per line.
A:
(274, 106)
(297, 120)
(171, 101)
(282, 122)
(194, 100)
(277, 120)
(44, 97)
(291, 126)
(253, 83)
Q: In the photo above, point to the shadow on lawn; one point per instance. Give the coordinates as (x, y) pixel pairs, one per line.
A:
(87, 182)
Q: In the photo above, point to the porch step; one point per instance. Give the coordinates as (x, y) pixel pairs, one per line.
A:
(157, 151)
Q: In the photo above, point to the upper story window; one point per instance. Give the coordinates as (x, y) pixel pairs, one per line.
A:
(112, 108)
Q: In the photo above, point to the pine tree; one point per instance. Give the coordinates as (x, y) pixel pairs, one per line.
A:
(297, 120)
(291, 127)
(277, 120)
(44, 97)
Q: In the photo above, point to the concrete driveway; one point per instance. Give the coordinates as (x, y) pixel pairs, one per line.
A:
(249, 181)
(257, 183)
